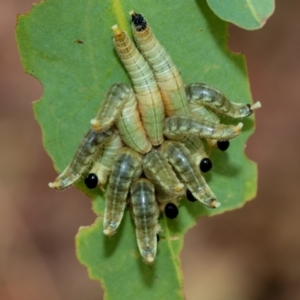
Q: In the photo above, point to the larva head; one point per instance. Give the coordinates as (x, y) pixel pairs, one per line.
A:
(190, 196)
(205, 165)
(171, 211)
(223, 145)
(91, 181)
(138, 21)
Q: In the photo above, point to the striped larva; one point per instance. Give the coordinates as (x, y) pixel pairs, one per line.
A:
(157, 169)
(197, 150)
(120, 108)
(130, 127)
(166, 73)
(145, 214)
(103, 164)
(111, 107)
(200, 94)
(177, 127)
(126, 169)
(85, 154)
(179, 158)
(145, 87)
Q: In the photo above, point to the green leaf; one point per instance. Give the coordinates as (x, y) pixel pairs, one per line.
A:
(247, 14)
(67, 45)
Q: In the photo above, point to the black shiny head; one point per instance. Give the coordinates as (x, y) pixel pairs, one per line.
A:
(223, 145)
(91, 181)
(157, 237)
(138, 21)
(205, 165)
(190, 196)
(171, 211)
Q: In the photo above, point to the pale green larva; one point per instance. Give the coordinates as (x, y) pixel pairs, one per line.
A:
(103, 164)
(119, 108)
(84, 156)
(146, 90)
(177, 127)
(126, 169)
(179, 157)
(200, 94)
(145, 214)
(160, 173)
(166, 73)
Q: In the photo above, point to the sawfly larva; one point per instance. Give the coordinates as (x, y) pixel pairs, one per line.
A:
(166, 73)
(126, 169)
(157, 169)
(145, 87)
(103, 164)
(177, 127)
(200, 94)
(120, 108)
(180, 159)
(84, 156)
(196, 147)
(145, 215)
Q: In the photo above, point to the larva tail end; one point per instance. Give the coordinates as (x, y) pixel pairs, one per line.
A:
(256, 105)
(55, 185)
(96, 126)
(109, 231)
(149, 259)
(178, 187)
(214, 203)
(148, 255)
(51, 185)
(132, 13)
(212, 143)
(116, 30)
(237, 129)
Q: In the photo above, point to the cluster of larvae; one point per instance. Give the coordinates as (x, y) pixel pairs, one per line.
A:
(147, 142)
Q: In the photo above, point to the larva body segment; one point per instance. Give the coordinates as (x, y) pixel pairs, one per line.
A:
(103, 164)
(202, 112)
(146, 90)
(166, 73)
(145, 215)
(177, 127)
(86, 152)
(158, 171)
(202, 94)
(130, 127)
(111, 107)
(126, 169)
(196, 147)
(180, 159)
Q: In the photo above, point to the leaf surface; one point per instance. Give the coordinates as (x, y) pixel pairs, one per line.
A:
(247, 14)
(68, 47)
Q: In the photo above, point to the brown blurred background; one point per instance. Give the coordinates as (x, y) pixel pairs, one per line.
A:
(250, 253)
